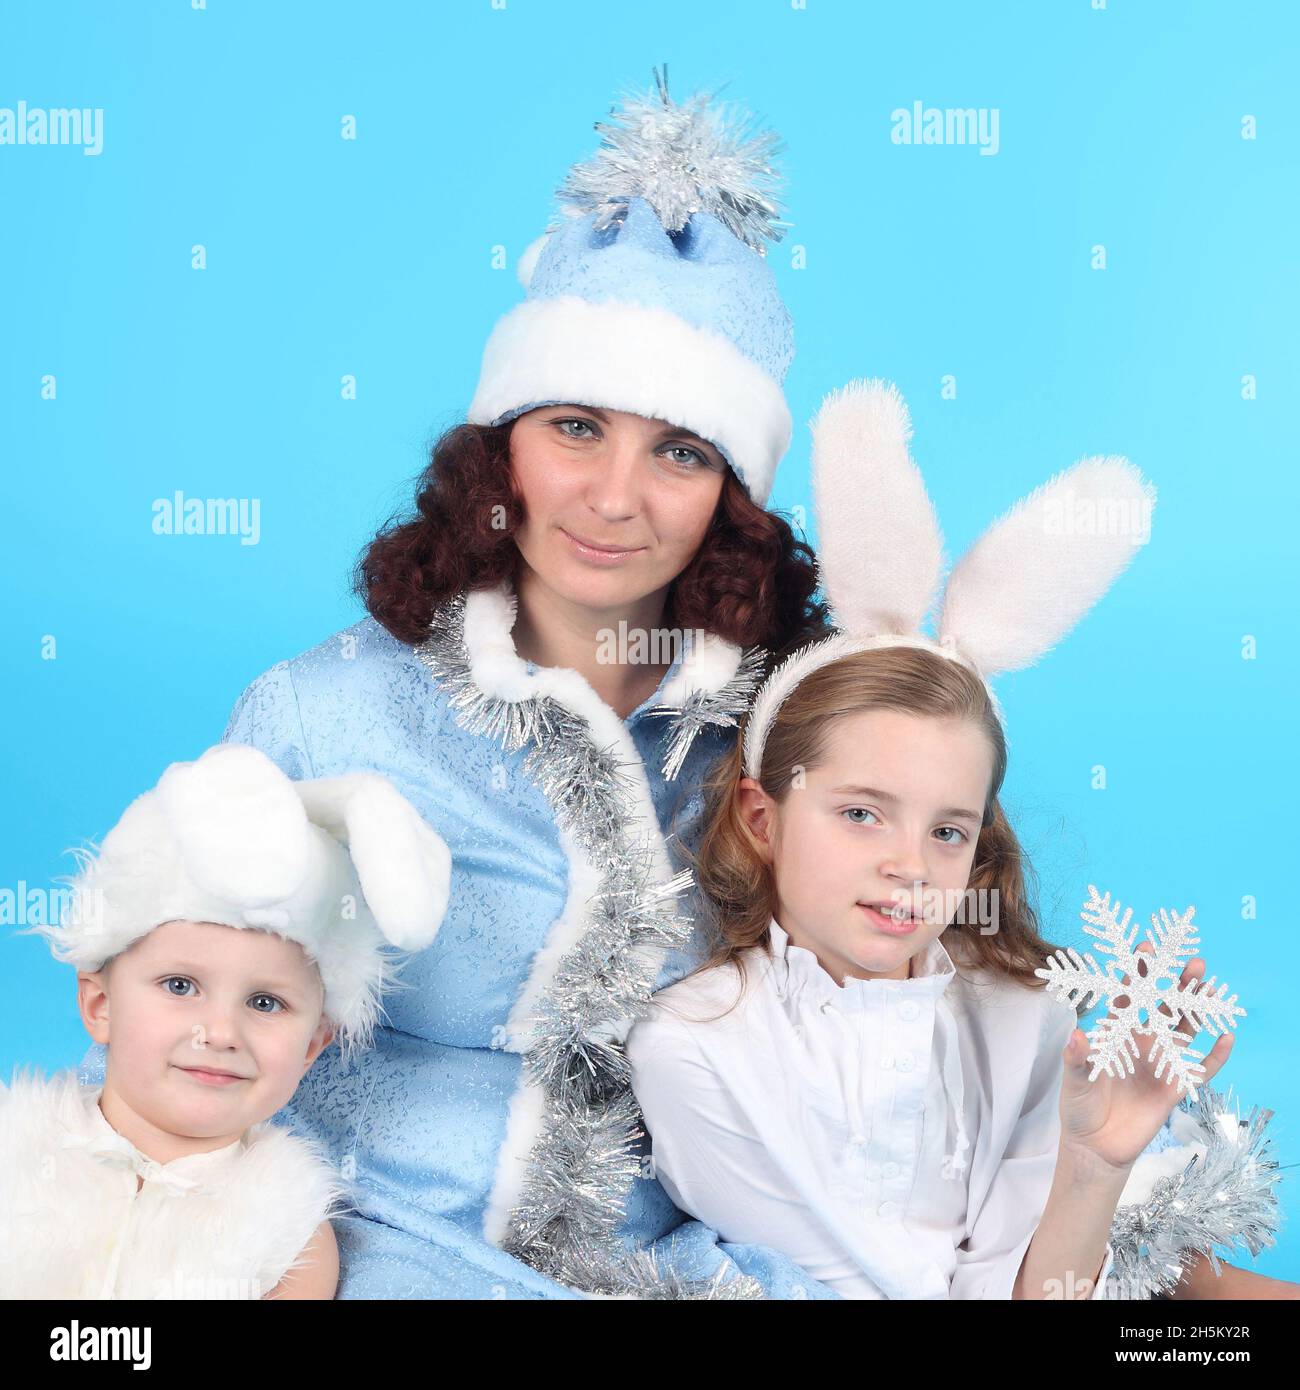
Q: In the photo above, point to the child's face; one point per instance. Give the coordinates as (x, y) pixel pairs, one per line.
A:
(889, 817)
(192, 996)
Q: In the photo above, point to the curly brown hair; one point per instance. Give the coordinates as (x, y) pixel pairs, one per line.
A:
(751, 581)
(738, 885)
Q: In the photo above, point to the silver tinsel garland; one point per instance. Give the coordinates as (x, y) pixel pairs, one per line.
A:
(584, 1162)
(681, 159)
(1221, 1200)
(720, 708)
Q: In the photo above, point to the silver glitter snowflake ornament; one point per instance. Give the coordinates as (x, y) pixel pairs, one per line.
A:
(1153, 980)
(682, 159)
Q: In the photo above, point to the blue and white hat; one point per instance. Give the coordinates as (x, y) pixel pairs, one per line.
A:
(653, 296)
(343, 865)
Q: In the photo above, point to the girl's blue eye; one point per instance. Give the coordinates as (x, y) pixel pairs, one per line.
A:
(955, 831)
(173, 979)
(279, 1004)
(866, 811)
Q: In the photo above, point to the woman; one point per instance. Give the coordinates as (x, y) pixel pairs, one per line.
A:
(588, 549)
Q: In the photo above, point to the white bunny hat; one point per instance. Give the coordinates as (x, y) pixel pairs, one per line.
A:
(1014, 594)
(342, 865)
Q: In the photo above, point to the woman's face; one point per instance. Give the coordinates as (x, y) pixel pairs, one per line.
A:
(615, 505)
(872, 849)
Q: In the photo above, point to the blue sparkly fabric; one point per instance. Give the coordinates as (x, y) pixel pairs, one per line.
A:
(703, 274)
(417, 1123)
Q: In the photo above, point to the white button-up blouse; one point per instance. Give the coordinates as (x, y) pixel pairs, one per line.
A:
(895, 1138)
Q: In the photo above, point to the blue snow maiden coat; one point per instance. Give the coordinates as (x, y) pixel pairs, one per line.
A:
(490, 1137)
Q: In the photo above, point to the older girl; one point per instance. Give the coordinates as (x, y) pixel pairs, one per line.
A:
(867, 1075)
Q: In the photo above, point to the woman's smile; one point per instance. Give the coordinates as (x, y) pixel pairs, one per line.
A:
(600, 554)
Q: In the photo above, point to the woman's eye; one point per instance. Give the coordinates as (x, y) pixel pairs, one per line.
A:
(855, 811)
(952, 830)
(270, 998)
(176, 980)
(691, 454)
(583, 424)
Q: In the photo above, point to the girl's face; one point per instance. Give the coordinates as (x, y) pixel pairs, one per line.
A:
(192, 996)
(873, 848)
(615, 505)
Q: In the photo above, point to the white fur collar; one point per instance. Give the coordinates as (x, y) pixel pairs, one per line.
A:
(707, 664)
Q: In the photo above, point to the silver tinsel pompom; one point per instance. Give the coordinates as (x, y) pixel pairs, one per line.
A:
(1221, 1200)
(682, 159)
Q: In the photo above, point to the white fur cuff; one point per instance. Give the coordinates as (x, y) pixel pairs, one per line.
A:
(641, 359)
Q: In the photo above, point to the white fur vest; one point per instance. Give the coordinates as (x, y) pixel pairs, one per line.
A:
(223, 1224)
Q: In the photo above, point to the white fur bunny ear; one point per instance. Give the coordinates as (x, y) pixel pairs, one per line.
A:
(1038, 569)
(878, 543)
(240, 829)
(402, 863)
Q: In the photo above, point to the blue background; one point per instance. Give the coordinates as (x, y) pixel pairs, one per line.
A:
(1120, 127)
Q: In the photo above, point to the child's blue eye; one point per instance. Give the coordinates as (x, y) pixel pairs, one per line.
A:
(866, 811)
(182, 980)
(955, 831)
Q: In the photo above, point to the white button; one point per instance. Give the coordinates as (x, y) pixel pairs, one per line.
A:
(905, 1061)
(887, 1208)
(890, 1170)
(858, 1141)
(826, 1006)
(886, 1062)
(907, 1011)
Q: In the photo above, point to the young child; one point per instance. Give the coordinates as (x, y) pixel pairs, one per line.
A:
(866, 1074)
(233, 923)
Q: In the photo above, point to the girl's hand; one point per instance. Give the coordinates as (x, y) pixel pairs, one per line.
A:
(1111, 1120)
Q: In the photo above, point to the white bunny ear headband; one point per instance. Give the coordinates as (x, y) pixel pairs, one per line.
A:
(1014, 594)
(343, 865)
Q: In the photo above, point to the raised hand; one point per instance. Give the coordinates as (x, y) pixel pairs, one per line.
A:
(1110, 1121)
